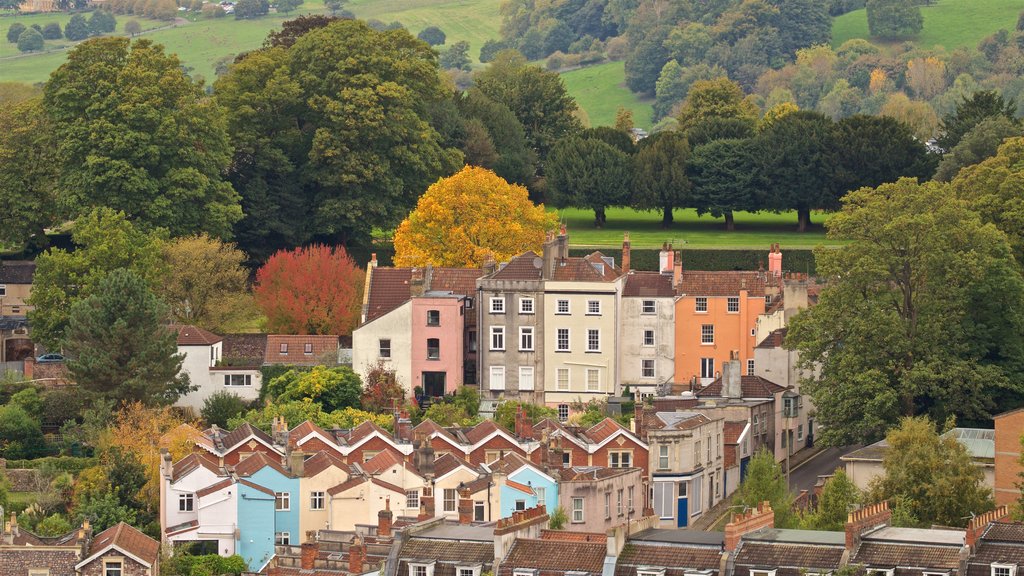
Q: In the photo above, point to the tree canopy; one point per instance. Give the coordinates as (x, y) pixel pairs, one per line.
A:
(28, 174)
(589, 173)
(660, 181)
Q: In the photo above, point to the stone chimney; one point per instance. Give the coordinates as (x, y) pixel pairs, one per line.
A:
(489, 264)
(166, 466)
(749, 521)
(384, 520)
(549, 254)
(677, 271)
(563, 242)
(370, 267)
(279, 431)
(416, 282)
(666, 259)
(403, 426)
(465, 505)
(297, 463)
(356, 556)
(625, 252)
(775, 261)
(423, 457)
(794, 295)
(863, 520)
(310, 550)
(732, 383)
(524, 427)
(638, 421)
(977, 525)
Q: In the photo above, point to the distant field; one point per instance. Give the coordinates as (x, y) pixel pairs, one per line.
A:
(9, 49)
(600, 90)
(753, 230)
(947, 23)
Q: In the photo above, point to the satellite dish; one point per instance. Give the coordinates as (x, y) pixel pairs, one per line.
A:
(538, 262)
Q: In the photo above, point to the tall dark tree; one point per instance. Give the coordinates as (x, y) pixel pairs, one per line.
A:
(102, 22)
(660, 181)
(14, 32)
(118, 346)
(970, 112)
(706, 130)
(724, 178)
(589, 173)
(432, 35)
(515, 162)
(77, 28)
(978, 144)
(248, 9)
(322, 152)
(291, 30)
(802, 23)
(619, 139)
(879, 149)
(645, 61)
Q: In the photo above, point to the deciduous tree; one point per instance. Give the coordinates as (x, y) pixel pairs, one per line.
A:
(77, 28)
(28, 174)
(839, 496)
(14, 32)
(311, 290)
(133, 27)
(442, 231)
(118, 346)
(332, 388)
(516, 162)
(992, 188)
(455, 57)
(30, 40)
(978, 144)
(432, 35)
(894, 19)
(765, 482)
(382, 392)
(719, 98)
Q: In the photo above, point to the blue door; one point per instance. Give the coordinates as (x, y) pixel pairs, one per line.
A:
(743, 467)
(682, 514)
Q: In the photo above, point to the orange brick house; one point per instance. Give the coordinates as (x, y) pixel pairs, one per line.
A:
(1009, 427)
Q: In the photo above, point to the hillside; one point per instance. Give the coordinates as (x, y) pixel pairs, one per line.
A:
(947, 23)
(601, 89)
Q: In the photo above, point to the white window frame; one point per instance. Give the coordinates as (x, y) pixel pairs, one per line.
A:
(479, 511)
(997, 566)
(186, 502)
(661, 572)
(38, 572)
(593, 340)
(497, 305)
(732, 305)
(282, 501)
(526, 378)
(873, 572)
(381, 348)
(497, 338)
(593, 307)
(421, 569)
(282, 538)
(558, 379)
(497, 378)
(663, 460)
(110, 565)
(454, 500)
(317, 500)
(526, 306)
(649, 307)
(647, 368)
(619, 497)
(526, 333)
(542, 494)
(700, 304)
(467, 570)
(558, 340)
(229, 380)
(562, 307)
(648, 340)
(412, 499)
(762, 572)
(607, 505)
(708, 363)
(307, 349)
(629, 493)
(616, 460)
(750, 367)
(706, 331)
(597, 386)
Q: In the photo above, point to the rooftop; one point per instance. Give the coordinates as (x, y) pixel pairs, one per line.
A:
(680, 536)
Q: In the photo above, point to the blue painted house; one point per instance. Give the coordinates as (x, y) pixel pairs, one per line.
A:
(523, 485)
(268, 473)
(255, 541)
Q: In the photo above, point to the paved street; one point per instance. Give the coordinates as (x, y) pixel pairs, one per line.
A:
(805, 475)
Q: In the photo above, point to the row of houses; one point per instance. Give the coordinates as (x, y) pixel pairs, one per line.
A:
(521, 545)
(552, 328)
(117, 551)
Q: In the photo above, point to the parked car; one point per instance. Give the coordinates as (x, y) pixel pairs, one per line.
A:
(53, 357)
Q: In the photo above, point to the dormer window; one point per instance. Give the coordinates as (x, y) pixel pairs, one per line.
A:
(885, 572)
(649, 571)
(1004, 569)
(425, 569)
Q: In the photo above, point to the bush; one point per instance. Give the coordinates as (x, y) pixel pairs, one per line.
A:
(206, 564)
(221, 407)
(71, 464)
(20, 435)
(432, 35)
(53, 525)
(557, 519)
(213, 11)
(732, 259)
(14, 32)
(251, 9)
(30, 40)
(61, 405)
(29, 401)
(77, 28)
(52, 31)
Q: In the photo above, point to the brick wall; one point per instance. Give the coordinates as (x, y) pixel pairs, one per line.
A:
(1009, 427)
(22, 479)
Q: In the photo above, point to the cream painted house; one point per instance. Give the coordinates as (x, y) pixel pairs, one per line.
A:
(361, 498)
(321, 472)
(385, 340)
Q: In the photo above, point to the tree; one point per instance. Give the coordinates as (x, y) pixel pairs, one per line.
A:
(28, 175)
(501, 224)
(448, 414)
(719, 98)
(105, 511)
(934, 475)
(133, 27)
(14, 32)
(646, 59)
(30, 40)
(970, 112)
(52, 31)
(879, 149)
(765, 482)
(286, 6)
(912, 304)
(105, 241)
(992, 186)
(382, 392)
(589, 173)
(294, 29)
(29, 401)
(660, 181)
(455, 57)
(978, 144)
(839, 496)
(296, 412)
(320, 152)
(490, 49)
(538, 99)
(102, 22)
(332, 388)
(919, 116)
(136, 134)
(248, 9)
(894, 19)
(505, 413)
(432, 35)
(312, 290)
(20, 435)
(206, 283)
(515, 161)
(119, 348)
(77, 28)
(723, 176)
(53, 525)
(335, 6)
(222, 406)
(624, 120)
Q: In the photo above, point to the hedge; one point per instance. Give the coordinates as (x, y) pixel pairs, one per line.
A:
(72, 464)
(712, 260)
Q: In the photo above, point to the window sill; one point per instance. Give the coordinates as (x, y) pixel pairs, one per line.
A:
(593, 351)
(707, 343)
(497, 349)
(563, 351)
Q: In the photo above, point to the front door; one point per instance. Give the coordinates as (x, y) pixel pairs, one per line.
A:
(711, 490)
(810, 432)
(433, 384)
(682, 507)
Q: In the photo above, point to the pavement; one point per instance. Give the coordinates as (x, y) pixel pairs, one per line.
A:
(805, 474)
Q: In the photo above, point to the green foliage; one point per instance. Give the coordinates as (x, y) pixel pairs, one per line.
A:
(455, 57)
(467, 398)
(991, 188)
(222, 406)
(718, 98)
(53, 525)
(126, 477)
(77, 28)
(660, 181)
(449, 414)
(838, 498)
(970, 112)
(102, 22)
(589, 413)
(248, 9)
(723, 173)
(432, 35)
(296, 412)
(382, 392)
(30, 40)
(28, 174)
(69, 464)
(52, 31)
(20, 435)
(137, 134)
(589, 173)
(894, 19)
(515, 162)
(978, 144)
(104, 511)
(105, 241)
(935, 476)
(557, 519)
(118, 346)
(5, 490)
(911, 304)
(879, 149)
(505, 413)
(187, 565)
(14, 32)
(332, 388)
(61, 405)
(766, 482)
(134, 28)
(29, 401)
(286, 6)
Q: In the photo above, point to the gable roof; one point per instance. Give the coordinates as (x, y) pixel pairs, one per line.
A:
(484, 429)
(389, 289)
(214, 487)
(775, 339)
(321, 461)
(751, 387)
(789, 555)
(382, 461)
(192, 462)
(236, 437)
(128, 541)
(189, 335)
(448, 463)
(509, 463)
(555, 556)
(257, 462)
(300, 432)
(703, 283)
(648, 285)
(604, 430)
(590, 268)
(296, 354)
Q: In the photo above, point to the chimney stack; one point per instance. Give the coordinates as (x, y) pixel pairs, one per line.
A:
(356, 556)
(867, 518)
(296, 462)
(403, 426)
(416, 282)
(465, 505)
(310, 550)
(978, 524)
(427, 503)
(563, 242)
(749, 521)
(625, 252)
(524, 427)
(775, 261)
(279, 430)
(489, 264)
(638, 421)
(677, 271)
(732, 384)
(384, 520)
(665, 259)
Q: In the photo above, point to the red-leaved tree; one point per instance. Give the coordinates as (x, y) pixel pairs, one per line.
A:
(312, 290)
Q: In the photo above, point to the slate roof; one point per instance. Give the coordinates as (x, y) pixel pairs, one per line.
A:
(702, 283)
(648, 285)
(677, 559)
(520, 268)
(127, 539)
(792, 556)
(555, 556)
(244, 349)
(189, 335)
(751, 387)
(17, 272)
(885, 554)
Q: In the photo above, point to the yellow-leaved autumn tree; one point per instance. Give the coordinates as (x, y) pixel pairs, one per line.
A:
(462, 219)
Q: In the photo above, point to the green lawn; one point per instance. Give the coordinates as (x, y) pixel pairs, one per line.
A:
(947, 23)
(601, 89)
(9, 49)
(25, 498)
(753, 230)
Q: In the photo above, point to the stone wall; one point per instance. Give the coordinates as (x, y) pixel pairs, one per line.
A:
(22, 479)
(18, 561)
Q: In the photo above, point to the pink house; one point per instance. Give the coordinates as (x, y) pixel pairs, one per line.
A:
(438, 342)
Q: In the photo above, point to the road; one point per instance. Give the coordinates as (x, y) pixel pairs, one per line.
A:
(804, 476)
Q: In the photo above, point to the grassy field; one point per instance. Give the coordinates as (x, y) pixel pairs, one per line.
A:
(601, 89)
(753, 230)
(948, 23)
(9, 49)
